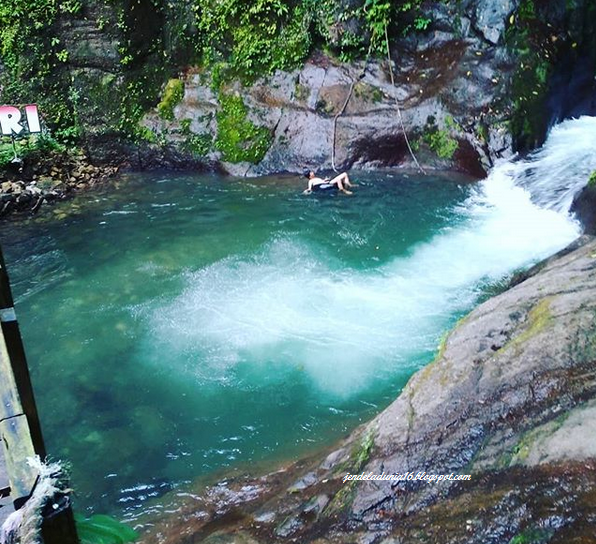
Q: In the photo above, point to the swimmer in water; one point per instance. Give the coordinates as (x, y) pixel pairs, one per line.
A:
(341, 182)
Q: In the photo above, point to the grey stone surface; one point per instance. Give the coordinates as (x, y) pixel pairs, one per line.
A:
(3, 474)
(574, 438)
(492, 16)
(300, 110)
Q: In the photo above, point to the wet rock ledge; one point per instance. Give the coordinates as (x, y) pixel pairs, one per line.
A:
(509, 399)
(26, 185)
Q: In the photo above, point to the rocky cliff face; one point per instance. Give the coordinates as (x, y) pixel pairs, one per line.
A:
(482, 80)
(510, 399)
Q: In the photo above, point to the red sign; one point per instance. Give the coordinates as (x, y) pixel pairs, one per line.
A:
(13, 122)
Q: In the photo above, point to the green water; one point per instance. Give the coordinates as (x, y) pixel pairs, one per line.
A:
(184, 324)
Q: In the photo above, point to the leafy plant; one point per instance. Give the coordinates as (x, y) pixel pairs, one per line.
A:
(531, 41)
(24, 147)
(71, 6)
(378, 15)
(99, 529)
(254, 37)
(200, 144)
(592, 180)
(532, 536)
(62, 55)
(440, 140)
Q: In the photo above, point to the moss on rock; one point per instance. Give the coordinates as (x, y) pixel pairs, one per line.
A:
(238, 138)
(538, 318)
(172, 96)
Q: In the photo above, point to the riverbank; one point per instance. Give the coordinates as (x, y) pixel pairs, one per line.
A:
(41, 178)
(510, 399)
(451, 85)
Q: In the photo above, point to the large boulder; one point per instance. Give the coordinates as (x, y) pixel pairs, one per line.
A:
(509, 400)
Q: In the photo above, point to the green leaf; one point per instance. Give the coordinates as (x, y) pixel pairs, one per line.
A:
(100, 529)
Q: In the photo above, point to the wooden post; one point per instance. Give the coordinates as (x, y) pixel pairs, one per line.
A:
(20, 429)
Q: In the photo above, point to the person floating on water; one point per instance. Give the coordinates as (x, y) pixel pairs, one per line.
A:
(340, 182)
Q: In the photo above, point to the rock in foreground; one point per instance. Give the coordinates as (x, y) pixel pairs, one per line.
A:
(510, 399)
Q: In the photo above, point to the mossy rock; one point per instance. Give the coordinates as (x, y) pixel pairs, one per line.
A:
(238, 138)
(172, 96)
(359, 456)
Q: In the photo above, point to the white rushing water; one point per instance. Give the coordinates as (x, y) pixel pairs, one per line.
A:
(288, 306)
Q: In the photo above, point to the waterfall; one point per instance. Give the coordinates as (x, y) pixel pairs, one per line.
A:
(346, 328)
(560, 169)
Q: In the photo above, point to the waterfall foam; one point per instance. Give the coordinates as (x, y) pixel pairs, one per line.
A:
(347, 327)
(558, 170)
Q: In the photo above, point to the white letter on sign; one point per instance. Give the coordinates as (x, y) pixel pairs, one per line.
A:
(32, 118)
(9, 120)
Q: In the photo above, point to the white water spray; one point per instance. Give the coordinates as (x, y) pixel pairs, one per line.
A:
(561, 168)
(285, 306)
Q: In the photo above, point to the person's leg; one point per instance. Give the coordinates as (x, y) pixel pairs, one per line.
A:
(346, 180)
(342, 182)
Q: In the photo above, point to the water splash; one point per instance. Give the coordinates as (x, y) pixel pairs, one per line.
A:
(560, 169)
(289, 306)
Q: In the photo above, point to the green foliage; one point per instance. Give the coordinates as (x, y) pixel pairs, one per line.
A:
(442, 143)
(99, 529)
(527, 10)
(71, 6)
(237, 137)
(242, 39)
(24, 147)
(199, 144)
(258, 37)
(138, 93)
(172, 96)
(33, 60)
(536, 51)
(532, 536)
(592, 180)
(440, 140)
(6, 153)
(378, 15)
(333, 23)
(62, 56)
(36, 65)
(255, 37)
(422, 23)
